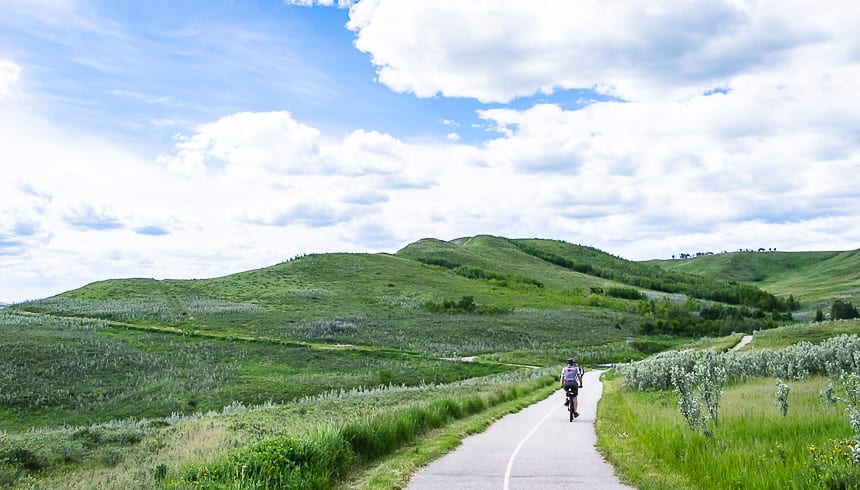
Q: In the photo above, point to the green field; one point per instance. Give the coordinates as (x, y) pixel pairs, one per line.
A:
(189, 375)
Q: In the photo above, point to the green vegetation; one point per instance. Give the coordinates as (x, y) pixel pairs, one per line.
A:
(753, 446)
(814, 333)
(241, 381)
(319, 459)
(815, 279)
(782, 423)
(654, 278)
(78, 371)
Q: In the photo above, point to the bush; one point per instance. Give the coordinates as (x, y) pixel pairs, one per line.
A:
(843, 310)
(626, 293)
(466, 304)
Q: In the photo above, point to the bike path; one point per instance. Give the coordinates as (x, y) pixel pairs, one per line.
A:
(536, 448)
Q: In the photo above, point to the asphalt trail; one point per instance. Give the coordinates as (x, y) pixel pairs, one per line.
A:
(536, 448)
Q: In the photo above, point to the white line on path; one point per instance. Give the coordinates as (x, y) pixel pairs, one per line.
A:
(526, 438)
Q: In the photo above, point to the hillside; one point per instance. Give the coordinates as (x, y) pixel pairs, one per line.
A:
(813, 278)
(277, 333)
(531, 290)
(746, 266)
(180, 362)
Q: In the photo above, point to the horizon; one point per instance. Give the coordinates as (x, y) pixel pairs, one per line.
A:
(6, 302)
(201, 139)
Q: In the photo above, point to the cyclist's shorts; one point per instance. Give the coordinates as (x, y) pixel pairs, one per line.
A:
(572, 387)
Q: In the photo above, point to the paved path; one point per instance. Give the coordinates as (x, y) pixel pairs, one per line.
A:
(536, 448)
(746, 339)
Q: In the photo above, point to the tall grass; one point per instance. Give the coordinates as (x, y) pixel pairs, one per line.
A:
(319, 459)
(753, 447)
(76, 371)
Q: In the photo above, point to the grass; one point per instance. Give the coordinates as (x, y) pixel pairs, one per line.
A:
(810, 332)
(813, 278)
(138, 382)
(75, 371)
(645, 437)
(359, 299)
(394, 471)
(133, 453)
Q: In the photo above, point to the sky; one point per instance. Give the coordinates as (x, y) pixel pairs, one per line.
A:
(194, 139)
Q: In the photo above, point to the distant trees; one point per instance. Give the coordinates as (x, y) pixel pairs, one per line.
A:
(843, 310)
(626, 293)
(466, 304)
(651, 277)
(470, 272)
(684, 255)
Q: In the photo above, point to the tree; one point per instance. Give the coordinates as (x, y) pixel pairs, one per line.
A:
(819, 316)
(843, 310)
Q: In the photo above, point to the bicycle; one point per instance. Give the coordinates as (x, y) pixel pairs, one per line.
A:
(570, 397)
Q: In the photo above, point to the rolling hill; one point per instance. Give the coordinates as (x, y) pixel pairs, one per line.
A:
(272, 333)
(813, 278)
(383, 331)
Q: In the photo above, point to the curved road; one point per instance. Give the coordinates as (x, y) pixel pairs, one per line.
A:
(536, 448)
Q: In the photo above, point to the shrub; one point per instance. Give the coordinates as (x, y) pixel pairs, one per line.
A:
(626, 293)
(782, 391)
(843, 310)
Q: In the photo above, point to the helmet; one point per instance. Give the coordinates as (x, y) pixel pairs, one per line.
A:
(570, 362)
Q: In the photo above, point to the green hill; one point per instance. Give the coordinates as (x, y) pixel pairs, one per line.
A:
(813, 278)
(746, 266)
(278, 332)
(529, 291)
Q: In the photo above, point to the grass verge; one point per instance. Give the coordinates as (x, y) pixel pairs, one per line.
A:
(645, 437)
(325, 457)
(395, 470)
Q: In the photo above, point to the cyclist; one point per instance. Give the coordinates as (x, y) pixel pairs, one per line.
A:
(570, 380)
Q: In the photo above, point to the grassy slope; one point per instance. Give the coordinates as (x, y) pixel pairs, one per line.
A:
(746, 266)
(269, 334)
(501, 255)
(375, 300)
(272, 330)
(814, 278)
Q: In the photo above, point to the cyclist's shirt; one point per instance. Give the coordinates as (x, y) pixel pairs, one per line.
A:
(569, 374)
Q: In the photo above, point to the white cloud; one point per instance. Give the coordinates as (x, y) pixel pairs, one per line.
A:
(9, 73)
(772, 159)
(636, 50)
(246, 145)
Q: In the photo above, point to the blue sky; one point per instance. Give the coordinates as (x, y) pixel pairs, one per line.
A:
(195, 139)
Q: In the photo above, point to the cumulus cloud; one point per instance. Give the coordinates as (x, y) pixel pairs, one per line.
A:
(733, 125)
(635, 50)
(247, 144)
(312, 215)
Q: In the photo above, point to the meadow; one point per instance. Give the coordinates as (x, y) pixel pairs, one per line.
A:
(318, 370)
(786, 417)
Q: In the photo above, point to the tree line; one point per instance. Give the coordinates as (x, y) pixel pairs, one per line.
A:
(656, 279)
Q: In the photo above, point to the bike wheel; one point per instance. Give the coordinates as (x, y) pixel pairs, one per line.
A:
(570, 410)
